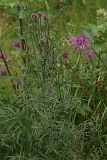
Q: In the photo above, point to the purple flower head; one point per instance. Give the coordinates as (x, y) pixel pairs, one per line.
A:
(65, 55)
(79, 42)
(17, 44)
(89, 54)
(1, 55)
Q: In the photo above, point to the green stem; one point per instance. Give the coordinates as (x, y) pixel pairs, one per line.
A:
(8, 71)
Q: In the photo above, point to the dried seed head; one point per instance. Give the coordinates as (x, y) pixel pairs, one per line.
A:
(61, 10)
(18, 5)
(41, 40)
(33, 16)
(40, 15)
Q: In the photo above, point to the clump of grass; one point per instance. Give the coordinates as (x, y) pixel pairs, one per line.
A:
(50, 130)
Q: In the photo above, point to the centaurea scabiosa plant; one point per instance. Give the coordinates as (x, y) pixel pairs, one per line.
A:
(43, 54)
(35, 36)
(85, 48)
(53, 118)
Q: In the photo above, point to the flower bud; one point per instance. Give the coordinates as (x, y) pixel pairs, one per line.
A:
(33, 16)
(1, 55)
(39, 15)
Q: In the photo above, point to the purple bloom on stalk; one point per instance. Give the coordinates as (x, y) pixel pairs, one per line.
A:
(1, 55)
(65, 55)
(89, 54)
(79, 42)
(17, 44)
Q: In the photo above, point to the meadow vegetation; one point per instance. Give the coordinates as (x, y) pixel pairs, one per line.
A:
(53, 80)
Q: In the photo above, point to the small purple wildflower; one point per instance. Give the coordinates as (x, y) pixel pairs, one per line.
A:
(65, 55)
(1, 55)
(79, 42)
(89, 54)
(17, 44)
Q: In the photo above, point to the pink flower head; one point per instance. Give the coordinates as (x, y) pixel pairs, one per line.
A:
(1, 55)
(79, 42)
(89, 54)
(34, 16)
(17, 44)
(65, 55)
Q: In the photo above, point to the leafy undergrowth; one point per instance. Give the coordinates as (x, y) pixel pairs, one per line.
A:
(45, 128)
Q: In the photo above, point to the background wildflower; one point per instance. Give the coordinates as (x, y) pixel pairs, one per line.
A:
(79, 42)
(17, 44)
(89, 54)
